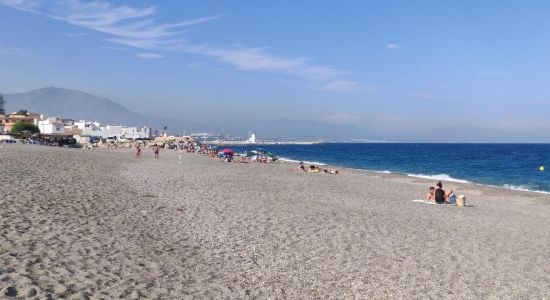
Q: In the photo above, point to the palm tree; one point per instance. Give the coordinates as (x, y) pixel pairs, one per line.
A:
(2, 103)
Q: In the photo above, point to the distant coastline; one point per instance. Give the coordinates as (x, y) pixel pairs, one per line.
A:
(245, 143)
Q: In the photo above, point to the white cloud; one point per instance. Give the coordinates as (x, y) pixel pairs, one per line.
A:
(76, 34)
(24, 5)
(257, 59)
(345, 86)
(136, 27)
(147, 55)
(197, 21)
(114, 48)
(393, 47)
(195, 65)
(129, 25)
(254, 59)
(321, 72)
(13, 51)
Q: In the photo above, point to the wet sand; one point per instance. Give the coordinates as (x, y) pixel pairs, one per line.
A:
(98, 224)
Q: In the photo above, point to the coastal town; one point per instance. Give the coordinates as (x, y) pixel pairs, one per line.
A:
(60, 131)
(67, 131)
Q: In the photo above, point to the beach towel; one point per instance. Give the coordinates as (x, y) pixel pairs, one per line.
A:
(424, 201)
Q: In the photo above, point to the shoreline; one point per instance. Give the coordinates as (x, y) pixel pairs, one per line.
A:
(434, 178)
(437, 177)
(290, 161)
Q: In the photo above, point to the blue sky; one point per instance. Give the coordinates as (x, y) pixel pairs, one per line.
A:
(401, 68)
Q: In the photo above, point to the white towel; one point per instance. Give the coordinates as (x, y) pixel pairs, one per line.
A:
(424, 201)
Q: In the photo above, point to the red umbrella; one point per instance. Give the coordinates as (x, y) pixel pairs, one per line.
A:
(228, 151)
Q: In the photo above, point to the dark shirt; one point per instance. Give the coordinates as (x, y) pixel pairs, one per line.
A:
(439, 196)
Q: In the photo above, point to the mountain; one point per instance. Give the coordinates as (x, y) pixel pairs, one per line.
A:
(66, 103)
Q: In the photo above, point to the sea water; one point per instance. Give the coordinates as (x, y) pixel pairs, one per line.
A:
(514, 166)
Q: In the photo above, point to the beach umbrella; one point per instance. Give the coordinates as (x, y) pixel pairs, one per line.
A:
(228, 151)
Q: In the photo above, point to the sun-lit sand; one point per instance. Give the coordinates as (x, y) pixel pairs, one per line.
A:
(99, 224)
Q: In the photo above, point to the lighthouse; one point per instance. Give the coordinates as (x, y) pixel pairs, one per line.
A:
(251, 138)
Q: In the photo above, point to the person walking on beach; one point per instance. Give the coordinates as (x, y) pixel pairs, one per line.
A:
(439, 194)
(156, 151)
(138, 151)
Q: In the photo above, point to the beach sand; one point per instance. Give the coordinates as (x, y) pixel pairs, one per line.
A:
(81, 224)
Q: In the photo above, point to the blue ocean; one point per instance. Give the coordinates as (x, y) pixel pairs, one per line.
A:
(514, 166)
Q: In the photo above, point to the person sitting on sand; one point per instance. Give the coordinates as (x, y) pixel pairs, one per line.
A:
(440, 195)
(451, 197)
(430, 196)
(301, 168)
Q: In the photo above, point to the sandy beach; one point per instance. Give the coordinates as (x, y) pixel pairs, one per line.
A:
(101, 224)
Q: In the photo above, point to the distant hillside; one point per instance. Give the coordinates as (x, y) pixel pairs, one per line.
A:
(79, 105)
(66, 103)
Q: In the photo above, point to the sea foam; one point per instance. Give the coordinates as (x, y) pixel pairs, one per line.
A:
(442, 177)
(523, 189)
(304, 161)
(383, 172)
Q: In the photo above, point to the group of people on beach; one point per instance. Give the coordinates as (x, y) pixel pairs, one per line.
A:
(440, 196)
(315, 169)
(155, 151)
(209, 151)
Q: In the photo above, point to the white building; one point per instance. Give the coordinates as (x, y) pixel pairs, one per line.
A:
(50, 125)
(89, 128)
(119, 131)
(112, 130)
(135, 132)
